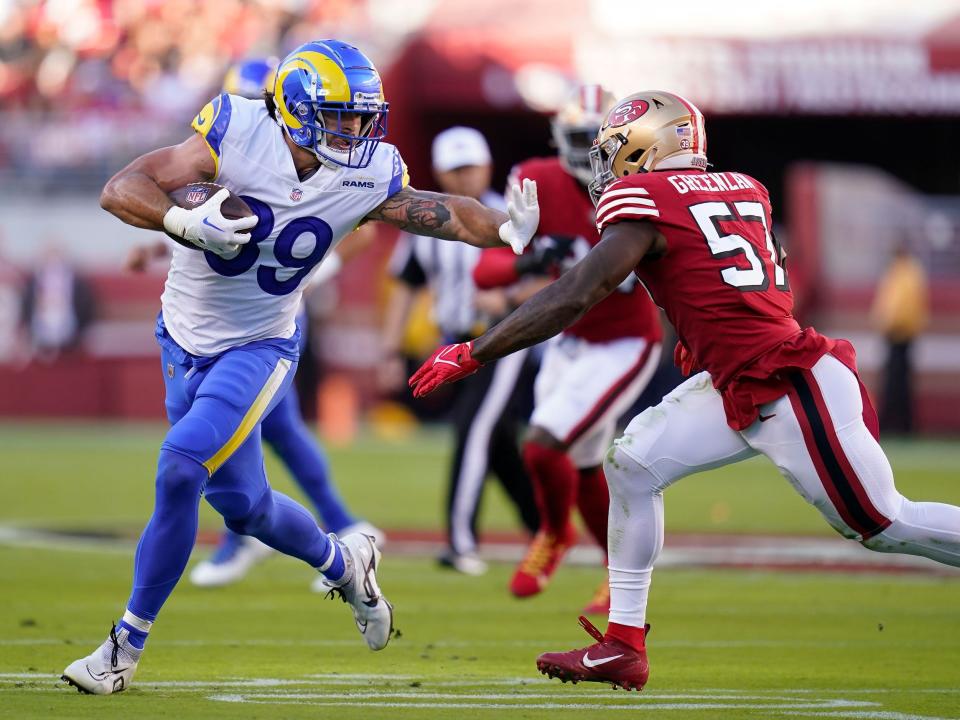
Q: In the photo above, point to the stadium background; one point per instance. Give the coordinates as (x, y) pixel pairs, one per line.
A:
(847, 111)
(848, 117)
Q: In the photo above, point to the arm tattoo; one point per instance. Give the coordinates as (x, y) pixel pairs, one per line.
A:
(423, 213)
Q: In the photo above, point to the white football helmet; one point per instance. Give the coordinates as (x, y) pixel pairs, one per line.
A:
(575, 127)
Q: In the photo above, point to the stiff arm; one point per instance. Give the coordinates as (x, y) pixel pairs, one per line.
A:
(452, 217)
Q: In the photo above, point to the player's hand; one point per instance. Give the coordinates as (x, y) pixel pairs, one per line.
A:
(207, 228)
(448, 364)
(524, 212)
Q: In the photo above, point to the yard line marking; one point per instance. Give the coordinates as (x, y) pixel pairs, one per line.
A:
(645, 698)
(319, 680)
(881, 715)
(614, 705)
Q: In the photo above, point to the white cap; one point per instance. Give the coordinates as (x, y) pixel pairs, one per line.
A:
(459, 146)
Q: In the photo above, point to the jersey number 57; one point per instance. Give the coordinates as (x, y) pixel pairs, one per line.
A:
(709, 215)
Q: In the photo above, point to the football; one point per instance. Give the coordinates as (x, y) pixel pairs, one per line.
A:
(194, 194)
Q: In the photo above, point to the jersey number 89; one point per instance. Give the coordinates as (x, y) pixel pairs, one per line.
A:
(268, 277)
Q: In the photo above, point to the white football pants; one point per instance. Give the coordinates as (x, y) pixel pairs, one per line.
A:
(816, 437)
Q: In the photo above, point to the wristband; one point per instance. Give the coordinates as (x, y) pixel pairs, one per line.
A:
(175, 220)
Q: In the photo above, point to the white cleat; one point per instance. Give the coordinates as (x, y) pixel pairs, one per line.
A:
(108, 669)
(371, 610)
(231, 561)
(319, 584)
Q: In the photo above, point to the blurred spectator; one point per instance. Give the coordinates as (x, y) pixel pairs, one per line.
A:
(87, 78)
(484, 415)
(57, 306)
(900, 311)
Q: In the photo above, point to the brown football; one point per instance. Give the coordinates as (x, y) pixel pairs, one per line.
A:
(194, 194)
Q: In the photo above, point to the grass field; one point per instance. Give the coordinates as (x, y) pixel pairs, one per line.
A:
(726, 643)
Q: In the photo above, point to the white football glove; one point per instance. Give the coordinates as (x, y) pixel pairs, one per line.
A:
(524, 215)
(207, 228)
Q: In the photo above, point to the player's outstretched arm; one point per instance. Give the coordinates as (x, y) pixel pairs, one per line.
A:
(452, 217)
(557, 306)
(138, 193)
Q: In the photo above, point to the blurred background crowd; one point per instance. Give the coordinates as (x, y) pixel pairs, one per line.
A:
(848, 114)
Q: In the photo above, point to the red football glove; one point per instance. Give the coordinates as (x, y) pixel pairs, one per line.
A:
(448, 364)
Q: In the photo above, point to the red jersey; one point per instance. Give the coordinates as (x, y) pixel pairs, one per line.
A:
(721, 282)
(566, 210)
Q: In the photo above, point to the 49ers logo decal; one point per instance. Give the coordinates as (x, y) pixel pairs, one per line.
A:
(628, 112)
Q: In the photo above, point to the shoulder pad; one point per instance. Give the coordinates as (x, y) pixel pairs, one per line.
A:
(212, 122)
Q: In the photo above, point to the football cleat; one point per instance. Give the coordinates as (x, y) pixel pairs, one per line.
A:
(108, 669)
(541, 561)
(230, 562)
(608, 661)
(600, 602)
(319, 584)
(371, 610)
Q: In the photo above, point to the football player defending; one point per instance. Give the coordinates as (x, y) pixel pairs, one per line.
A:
(310, 162)
(701, 243)
(594, 371)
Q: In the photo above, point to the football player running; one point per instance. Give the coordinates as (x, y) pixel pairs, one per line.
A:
(310, 162)
(701, 243)
(594, 371)
(284, 428)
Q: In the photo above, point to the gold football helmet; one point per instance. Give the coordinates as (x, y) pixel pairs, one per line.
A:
(647, 131)
(575, 127)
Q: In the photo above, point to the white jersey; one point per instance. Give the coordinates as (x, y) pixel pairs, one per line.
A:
(211, 304)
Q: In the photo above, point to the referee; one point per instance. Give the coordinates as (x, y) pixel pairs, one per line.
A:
(486, 414)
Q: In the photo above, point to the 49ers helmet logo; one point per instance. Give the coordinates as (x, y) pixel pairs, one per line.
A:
(628, 112)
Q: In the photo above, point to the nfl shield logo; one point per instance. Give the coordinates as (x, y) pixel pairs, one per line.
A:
(296, 194)
(197, 195)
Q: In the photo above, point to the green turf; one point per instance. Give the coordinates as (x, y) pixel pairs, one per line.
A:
(83, 476)
(726, 644)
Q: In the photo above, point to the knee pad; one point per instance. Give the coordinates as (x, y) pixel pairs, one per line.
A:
(178, 474)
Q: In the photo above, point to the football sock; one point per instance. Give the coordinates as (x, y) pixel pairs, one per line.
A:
(137, 627)
(554, 481)
(290, 438)
(334, 566)
(593, 501)
(635, 637)
(636, 536)
(166, 542)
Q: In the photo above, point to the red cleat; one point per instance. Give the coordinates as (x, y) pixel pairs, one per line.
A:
(541, 561)
(608, 660)
(600, 602)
